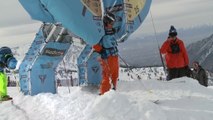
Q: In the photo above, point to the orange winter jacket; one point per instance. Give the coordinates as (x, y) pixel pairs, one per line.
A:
(175, 60)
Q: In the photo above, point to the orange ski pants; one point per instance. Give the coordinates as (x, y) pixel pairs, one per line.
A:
(110, 71)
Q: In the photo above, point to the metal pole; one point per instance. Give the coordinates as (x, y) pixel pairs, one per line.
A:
(133, 72)
(161, 57)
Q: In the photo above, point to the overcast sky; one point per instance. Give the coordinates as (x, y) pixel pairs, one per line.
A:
(181, 13)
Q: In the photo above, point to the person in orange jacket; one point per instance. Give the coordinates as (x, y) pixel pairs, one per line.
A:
(107, 47)
(176, 56)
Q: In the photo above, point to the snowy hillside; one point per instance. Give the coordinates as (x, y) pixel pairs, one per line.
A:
(202, 51)
(142, 94)
(179, 99)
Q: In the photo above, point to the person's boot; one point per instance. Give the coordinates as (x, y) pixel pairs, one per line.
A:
(6, 97)
(114, 88)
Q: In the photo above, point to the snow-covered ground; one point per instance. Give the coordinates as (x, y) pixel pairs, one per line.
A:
(179, 99)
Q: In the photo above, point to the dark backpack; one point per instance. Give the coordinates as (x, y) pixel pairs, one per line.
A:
(175, 47)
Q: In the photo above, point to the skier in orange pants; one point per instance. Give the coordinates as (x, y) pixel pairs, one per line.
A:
(110, 72)
(107, 48)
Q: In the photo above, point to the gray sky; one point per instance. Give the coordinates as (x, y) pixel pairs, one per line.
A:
(180, 13)
(12, 14)
(16, 23)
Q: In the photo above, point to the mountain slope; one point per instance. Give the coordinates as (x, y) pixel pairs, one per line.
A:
(202, 51)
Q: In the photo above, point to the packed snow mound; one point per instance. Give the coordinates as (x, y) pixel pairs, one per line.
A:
(178, 99)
